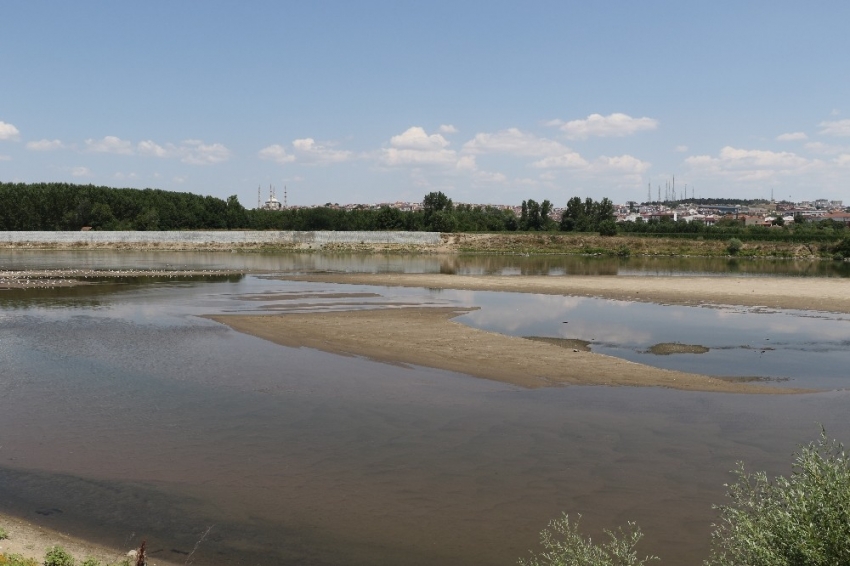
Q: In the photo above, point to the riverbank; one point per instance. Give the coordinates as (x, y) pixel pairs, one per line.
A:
(408, 242)
(33, 541)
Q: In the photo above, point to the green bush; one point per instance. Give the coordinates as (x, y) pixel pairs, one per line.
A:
(3, 533)
(803, 519)
(57, 556)
(734, 246)
(564, 545)
(607, 228)
(16, 560)
(90, 561)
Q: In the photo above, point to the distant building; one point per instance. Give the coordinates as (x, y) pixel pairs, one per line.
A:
(272, 203)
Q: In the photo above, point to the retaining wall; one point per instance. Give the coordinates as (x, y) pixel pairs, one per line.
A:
(221, 238)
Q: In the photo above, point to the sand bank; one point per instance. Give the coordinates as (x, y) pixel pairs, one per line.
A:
(31, 540)
(803, 293)
(428, 337)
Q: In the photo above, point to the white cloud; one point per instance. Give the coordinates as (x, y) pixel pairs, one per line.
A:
(149, 147)
(466, 163)
(122, 176)
(110, 144)
(395, 157)
(5, 158)
(843, 160)
(622, 164)
(752, 164)
(681, 148)
(416, 138)
(45, 145)
(310, 152)
(597, 125)
(570, 160)
(305, 150)
(515, 142)
(81, 172)
(276, 153)
(9, 132)
(448, 129)
(196, 152)
(193, 152)
(826, 149)
(794, 136)
(837, 128)
(491, 177)
(415, 147)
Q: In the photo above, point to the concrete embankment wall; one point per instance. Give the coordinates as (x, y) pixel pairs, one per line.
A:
(221, 238)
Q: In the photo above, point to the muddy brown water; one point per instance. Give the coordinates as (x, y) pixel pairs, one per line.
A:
(124, 416)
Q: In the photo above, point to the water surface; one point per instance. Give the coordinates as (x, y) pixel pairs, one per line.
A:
(123, 415)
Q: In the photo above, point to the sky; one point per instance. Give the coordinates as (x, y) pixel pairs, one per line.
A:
(490, 102)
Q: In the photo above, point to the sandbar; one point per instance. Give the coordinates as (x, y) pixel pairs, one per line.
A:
(799, 293)
(427, 336)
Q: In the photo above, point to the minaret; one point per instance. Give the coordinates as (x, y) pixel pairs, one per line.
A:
(284, 197)
(258, 197)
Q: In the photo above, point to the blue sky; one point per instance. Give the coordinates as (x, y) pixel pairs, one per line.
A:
(375, 101)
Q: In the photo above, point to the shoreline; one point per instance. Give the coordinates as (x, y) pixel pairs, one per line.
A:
(497, 243)
(33, 541)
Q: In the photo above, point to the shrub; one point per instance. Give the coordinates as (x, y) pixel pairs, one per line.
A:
(3, 533)
(734, 246)
(16, 560)
(803, 519)
(607, 228)
(564, 545)
(57, 556)
(90, 561)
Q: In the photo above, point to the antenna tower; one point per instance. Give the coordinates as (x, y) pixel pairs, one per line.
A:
(284, 197)
(648, 193)
(258, 196)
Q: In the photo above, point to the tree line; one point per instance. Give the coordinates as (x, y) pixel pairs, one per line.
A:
(64, 206)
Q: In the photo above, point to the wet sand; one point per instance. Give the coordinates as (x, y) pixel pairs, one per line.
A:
(816, 294)
(429, 337)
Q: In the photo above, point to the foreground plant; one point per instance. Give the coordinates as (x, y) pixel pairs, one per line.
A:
(58, 556)
(16, 560)
(803, 519)
(564, 545)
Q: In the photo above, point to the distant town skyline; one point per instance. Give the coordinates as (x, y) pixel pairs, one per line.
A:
(379, 101)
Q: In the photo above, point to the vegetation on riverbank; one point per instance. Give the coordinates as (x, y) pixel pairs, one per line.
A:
(56, 556)
(801, 519)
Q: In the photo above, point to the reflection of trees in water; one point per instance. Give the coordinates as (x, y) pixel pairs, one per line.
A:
(90, 295)
(637, 265)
